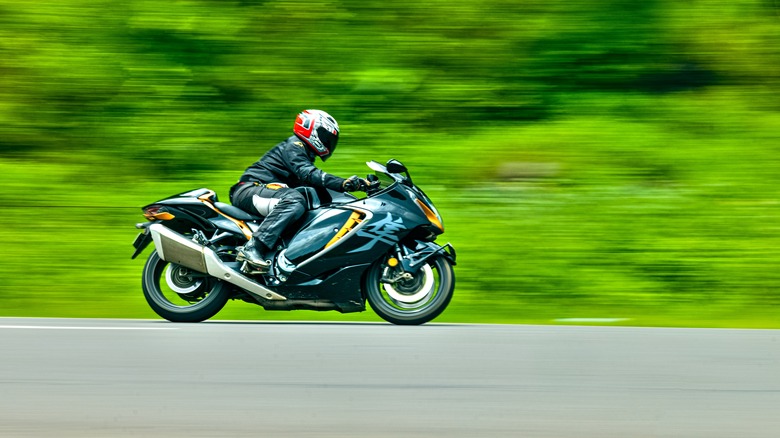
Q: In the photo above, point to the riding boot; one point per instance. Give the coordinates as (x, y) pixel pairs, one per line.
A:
(256, 254)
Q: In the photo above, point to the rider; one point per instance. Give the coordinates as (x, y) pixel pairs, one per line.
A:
(267, 187)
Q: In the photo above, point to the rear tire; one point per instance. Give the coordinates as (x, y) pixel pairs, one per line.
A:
(191, 298)
(415, 301)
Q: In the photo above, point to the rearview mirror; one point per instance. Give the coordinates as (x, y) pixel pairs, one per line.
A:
(395, 166)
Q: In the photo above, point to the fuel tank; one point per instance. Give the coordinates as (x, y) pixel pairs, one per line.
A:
(324, 231)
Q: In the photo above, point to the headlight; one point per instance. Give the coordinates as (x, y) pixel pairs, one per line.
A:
(430, 213)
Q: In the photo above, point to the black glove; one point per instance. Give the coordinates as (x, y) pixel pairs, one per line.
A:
(354, 183)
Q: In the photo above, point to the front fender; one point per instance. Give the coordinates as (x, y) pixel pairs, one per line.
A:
(424, 251)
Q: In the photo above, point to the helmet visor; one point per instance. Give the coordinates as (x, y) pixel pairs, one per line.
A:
(329, 140)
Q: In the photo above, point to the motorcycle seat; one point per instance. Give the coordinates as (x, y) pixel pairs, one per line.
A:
(235, 212)
(265, 205)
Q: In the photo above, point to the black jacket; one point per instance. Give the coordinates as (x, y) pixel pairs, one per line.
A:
(291, 162)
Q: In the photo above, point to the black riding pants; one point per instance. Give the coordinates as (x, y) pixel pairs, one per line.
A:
(290, 208)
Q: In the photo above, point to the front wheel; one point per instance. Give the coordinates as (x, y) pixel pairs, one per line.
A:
(179, 294)
(415, 299)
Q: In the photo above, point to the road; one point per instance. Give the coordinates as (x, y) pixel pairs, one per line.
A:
(123, 378)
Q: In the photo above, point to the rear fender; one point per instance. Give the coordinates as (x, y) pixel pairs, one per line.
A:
(144, 238)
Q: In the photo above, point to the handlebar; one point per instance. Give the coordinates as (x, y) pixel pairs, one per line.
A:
(372, 184)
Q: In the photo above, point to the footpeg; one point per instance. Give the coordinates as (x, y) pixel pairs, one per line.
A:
(259, 265)
(249, 269)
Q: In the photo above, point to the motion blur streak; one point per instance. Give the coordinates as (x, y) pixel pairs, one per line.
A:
(594, 158)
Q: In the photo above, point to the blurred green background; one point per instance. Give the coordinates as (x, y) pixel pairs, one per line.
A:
(591, 159)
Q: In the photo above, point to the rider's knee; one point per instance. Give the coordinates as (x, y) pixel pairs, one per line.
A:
(295, 201)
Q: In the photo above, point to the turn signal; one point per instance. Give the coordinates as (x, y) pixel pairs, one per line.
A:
(392, 262)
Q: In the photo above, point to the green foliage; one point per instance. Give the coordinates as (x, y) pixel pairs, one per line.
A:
(590, 158)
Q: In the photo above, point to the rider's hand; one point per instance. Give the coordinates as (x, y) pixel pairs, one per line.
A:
(354, 183)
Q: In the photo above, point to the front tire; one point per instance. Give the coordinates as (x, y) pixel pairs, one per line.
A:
(413, 301)
(181, 295)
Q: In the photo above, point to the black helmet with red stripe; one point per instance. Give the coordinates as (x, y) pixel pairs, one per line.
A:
(319, 130)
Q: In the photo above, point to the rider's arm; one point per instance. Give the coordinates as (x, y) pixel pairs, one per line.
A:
(297, 161)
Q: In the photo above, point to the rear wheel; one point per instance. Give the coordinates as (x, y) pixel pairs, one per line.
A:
(414, 299)
(179, 294)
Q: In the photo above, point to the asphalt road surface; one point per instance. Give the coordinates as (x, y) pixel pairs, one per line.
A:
(106, 378)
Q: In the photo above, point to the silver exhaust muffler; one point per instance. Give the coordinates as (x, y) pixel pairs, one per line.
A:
(176, 248)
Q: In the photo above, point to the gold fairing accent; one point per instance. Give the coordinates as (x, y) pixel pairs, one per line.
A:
(241, 225)
(354, 219)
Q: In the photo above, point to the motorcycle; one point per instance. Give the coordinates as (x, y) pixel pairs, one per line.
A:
(344, 251)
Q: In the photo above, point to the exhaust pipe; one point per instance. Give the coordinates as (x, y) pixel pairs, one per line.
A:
(175, 248)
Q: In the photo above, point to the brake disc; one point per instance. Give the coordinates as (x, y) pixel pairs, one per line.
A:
(414, 290)
(180, 279)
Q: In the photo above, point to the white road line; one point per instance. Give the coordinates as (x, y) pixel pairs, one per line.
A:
(46, 327)
(591, 319)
